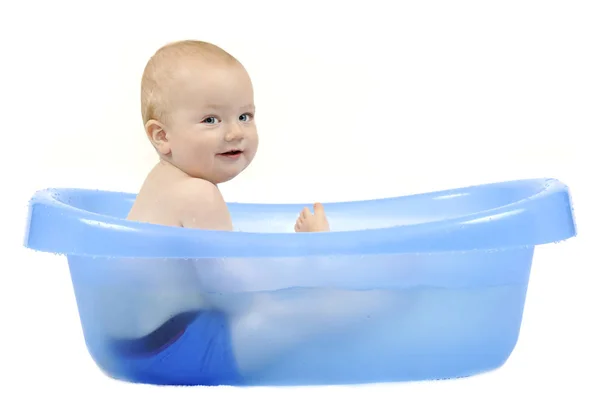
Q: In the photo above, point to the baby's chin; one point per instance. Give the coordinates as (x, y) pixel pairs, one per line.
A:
(227, 175)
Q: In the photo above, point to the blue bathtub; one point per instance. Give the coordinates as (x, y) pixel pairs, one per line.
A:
(427, 286)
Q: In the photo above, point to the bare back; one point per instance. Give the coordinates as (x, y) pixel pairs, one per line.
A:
(170, 197)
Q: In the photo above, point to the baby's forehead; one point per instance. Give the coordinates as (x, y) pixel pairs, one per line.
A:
(206, 96)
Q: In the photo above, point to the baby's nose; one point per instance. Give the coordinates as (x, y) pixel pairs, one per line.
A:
(234, 133)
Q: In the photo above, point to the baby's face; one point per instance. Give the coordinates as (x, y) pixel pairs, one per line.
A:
(212, 134)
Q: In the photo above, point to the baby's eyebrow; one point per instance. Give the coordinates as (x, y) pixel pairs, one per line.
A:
(218, 107)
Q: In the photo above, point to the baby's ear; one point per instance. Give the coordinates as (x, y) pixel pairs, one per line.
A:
(158, 136)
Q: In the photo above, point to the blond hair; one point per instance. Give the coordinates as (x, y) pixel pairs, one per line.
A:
(163, 67)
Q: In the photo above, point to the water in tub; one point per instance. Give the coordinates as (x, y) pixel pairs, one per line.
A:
(268, 312)
(301, 314)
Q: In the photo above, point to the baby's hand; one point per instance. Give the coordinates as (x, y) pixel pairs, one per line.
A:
(308, 222)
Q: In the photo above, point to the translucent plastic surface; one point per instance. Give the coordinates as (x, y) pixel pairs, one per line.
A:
(418, 287)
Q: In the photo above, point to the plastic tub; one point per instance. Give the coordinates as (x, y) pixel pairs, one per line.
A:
(427, 286)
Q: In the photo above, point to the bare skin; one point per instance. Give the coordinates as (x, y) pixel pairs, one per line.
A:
(309, 222)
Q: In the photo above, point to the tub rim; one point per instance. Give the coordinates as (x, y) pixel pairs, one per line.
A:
(543, 217)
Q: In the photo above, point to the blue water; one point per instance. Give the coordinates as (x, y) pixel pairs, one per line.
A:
(426, 333)
(302, 335)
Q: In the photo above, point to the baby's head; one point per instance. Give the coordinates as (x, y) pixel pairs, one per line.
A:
(198, 110)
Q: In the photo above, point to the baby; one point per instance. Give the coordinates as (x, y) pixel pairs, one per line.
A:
(199, 114)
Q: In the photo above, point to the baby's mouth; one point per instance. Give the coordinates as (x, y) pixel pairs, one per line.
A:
(232, 154)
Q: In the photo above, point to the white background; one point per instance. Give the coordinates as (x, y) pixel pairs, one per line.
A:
(354, 102)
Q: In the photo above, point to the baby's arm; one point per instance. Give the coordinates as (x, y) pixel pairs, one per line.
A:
(202, 206)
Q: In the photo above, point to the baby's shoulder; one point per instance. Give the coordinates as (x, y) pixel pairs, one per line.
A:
(201, 205)
(194, 187)
(192, 192)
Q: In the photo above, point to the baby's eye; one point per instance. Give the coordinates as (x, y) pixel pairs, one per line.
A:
(210, 120)
(245, 117)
